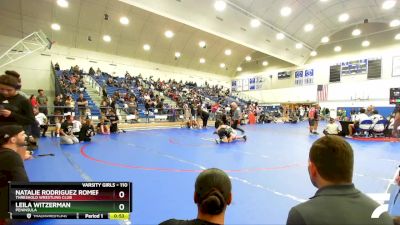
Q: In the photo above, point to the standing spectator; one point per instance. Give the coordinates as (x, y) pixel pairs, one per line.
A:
(42, 100)
(14, 108)
(33, 101)
(212, 195)
(57, 67)
(67, 137)
(12, 137)
(16, 75)
(82, 105)
(41, 120)
(337, 201)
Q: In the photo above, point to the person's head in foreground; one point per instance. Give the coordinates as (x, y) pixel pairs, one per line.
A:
(337, 201)
(12, 137)
(212, 195)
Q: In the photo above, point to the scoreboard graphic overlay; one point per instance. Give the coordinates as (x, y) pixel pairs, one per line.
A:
(72, 200)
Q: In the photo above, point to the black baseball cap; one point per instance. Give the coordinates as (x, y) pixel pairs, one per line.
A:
(9, 131)
(211, 179)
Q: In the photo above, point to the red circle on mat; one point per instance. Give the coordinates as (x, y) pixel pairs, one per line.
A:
(245, 170)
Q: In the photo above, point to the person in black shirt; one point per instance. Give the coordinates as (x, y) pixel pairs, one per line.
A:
(67, 137)
(113, 121)
(14, 108)
(212, 195)
(87, 131)
(12, 137)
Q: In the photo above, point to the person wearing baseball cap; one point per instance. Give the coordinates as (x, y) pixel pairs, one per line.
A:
(12, 137)
(212, 195)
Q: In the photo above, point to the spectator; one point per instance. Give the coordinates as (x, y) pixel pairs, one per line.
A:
(113, 119)
(212, 195)
(14, 108)
(76, 126)
(337, 201)
(12, 137)
(69, 104)
(82, 105)
(67, 137)
(332, 128)
(41, 121)
(16, 75)
(91, 71)
(42, 100)
(58, 104)
(357, 120)
(103, 127)
(57, 67)
(33, 101)
(87, 131)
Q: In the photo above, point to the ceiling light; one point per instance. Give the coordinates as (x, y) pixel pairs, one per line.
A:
(146, 47)
(265, 63)
(286, 11)
(220, 5)
(106, 38)
(280, 36)
(343, 17)
(313, 53)
(299, 45)
(202, 60)
(365, 43)
(202, 44)
(308, 27)
(169, 34)
(228, 52)
(388, 4)
(124, 20)
(323, 0)
(356, 32)
(239, 69)
(248, 58)
(177, 54)
(395, 23)
(55, 26)
(222, 65)
(397, 37)
(325, 39)
(337, 49)
(63, 3)
(255, 23)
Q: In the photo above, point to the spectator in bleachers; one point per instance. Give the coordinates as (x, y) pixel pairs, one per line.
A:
(337, 201)
(58, 104)
(42, 100)
(91, 71)
(57, 67)
(104, 105)
(69, 104)
(67, 136)
(82, 105)
(212, 195)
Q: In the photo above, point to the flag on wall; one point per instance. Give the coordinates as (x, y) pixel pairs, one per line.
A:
(322, 92)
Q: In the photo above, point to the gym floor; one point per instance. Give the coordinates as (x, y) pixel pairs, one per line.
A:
(268, 172)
